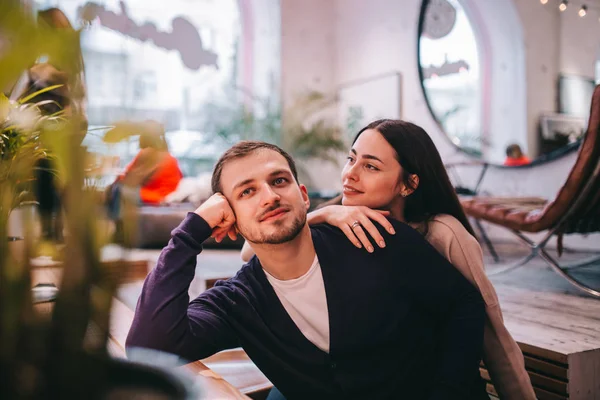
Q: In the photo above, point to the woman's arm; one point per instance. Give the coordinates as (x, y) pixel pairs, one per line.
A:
(355, 222)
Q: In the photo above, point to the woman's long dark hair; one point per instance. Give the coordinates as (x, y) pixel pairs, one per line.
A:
(418, 155)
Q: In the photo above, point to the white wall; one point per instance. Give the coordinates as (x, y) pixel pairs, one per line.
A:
(326, 42)
(500, 34)
(579, 42)
(266, 49)
(541, 28)
(307, 46)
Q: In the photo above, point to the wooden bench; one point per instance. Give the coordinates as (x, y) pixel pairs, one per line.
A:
(558, 376)
(559, 335)
(121, 271)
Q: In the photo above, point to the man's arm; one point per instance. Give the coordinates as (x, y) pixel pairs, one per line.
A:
(165, 319)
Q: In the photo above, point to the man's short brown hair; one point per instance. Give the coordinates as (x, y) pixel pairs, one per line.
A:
(243, 149)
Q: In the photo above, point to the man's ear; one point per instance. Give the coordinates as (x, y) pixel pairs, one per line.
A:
(305, 197)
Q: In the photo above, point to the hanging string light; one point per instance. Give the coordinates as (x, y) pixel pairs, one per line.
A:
(584, 6)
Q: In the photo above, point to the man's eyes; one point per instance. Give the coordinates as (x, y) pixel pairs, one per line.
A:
(276, 182)
(246, 192)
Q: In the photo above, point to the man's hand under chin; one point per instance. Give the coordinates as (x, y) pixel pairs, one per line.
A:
(217, 212)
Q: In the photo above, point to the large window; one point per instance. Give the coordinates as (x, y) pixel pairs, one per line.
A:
(156, 59)
(451, 74)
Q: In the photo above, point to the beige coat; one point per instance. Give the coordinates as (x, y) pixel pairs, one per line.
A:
(501, 354)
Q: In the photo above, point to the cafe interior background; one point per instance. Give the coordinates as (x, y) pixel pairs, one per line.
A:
(477, 75)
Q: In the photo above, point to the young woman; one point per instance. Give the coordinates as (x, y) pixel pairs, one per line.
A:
(395, 170)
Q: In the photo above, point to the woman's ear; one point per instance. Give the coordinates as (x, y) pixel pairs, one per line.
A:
(407, 190)
(414, 182)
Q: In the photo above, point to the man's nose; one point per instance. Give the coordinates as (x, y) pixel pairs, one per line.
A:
(269, 196)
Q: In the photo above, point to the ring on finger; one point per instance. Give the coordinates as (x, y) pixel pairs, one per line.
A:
(354, 224)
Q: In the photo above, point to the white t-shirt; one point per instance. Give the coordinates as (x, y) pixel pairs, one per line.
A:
(304, 300)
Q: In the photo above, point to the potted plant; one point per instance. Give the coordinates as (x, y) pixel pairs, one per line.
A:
(63, 354)
(304, 129)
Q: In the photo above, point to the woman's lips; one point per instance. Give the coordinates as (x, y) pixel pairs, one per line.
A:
(350, 191)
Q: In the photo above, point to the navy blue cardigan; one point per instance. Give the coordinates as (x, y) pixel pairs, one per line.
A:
(404, 323)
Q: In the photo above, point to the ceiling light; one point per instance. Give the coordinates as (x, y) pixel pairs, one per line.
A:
(563, 5)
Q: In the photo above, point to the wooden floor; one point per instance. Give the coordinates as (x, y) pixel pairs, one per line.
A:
(553, 322)
(542, 309)
(556, 325)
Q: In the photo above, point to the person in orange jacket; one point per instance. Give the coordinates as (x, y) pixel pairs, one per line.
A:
(515, 156)
(148, 178)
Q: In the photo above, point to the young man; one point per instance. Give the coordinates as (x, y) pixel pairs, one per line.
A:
(320, 317)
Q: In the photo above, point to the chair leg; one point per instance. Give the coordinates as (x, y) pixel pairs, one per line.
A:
(487, 240)
(520, 263)
(588, 261)
(560, 270)
(539, 249)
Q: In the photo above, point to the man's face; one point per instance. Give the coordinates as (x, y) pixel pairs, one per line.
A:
(269, 205)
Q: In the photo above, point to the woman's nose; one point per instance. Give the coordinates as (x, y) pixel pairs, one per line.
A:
(350, 172)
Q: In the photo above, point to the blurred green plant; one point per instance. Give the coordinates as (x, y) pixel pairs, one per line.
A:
(22, 127)
(304, 129)
(64, 354)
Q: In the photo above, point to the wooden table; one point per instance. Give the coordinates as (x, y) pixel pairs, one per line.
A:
(214, 386)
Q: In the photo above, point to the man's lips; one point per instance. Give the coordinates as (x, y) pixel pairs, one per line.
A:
(274, 214)
(350, 190)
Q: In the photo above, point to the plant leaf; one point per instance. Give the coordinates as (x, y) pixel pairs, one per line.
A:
(37, 93)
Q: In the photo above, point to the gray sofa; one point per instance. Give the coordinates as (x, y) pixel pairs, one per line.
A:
(155, 224)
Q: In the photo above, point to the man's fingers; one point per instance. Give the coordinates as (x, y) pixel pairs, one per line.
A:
(219, 233)
(232, 233)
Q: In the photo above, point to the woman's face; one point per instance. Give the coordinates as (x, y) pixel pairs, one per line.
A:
(371, 176)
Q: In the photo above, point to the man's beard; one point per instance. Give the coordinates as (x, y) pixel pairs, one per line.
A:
(281, 235)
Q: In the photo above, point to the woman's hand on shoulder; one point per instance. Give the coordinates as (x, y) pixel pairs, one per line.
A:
(356, 222)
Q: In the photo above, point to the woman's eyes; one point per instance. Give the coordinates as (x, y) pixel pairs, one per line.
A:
(367, 166)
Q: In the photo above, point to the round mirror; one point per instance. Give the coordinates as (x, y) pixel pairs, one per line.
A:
(504, 91)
